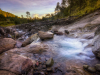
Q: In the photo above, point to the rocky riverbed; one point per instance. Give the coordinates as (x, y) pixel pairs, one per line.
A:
(35, 49)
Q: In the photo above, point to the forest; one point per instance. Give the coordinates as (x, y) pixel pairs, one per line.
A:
(65, 9)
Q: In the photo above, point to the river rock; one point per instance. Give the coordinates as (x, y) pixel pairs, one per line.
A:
(4, 72)
(45, 35)
(2, 32)
(6, 44)
(50, 62)
(35, 48)
(66, 31)
(97, 66)
(91, 69)
(15, 63)
(85, 66)
(59, 33)
(96, 47)
(29, 40)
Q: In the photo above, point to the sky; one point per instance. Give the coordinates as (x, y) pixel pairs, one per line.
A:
(38, 7)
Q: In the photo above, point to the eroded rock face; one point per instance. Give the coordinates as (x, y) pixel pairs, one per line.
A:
(6, 44)
(30, 40)
(45, 35)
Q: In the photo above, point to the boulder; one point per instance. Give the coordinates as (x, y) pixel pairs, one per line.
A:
(29, 40)
(6, 44)
(50, 62)
(97, 66)
(3, 72)
(15, 63)
(45, 35)
(96, 47)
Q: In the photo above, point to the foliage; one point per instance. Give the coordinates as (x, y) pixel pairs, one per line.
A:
(7, 19)
(77, 7)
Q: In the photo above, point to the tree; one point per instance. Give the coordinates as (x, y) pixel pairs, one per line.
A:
(28, 14)
(22, 16)
(57, 7)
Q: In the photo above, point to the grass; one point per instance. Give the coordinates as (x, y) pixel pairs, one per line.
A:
(7, 25)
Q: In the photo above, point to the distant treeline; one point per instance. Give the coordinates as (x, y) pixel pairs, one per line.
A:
(8, 18)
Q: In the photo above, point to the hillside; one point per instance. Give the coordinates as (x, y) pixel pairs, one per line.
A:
(6, 14)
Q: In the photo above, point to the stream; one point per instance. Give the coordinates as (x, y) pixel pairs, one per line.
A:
(68, 53)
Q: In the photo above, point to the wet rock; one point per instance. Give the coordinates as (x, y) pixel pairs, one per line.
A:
(91, 69)
(97, 32)
(30, 40)
(3, 72)
(9, 36)
(97, 66)
(6, 44)
(26, 66)
(45, 35)
(59, 33)
(2, 32)
(66, 31)
(36, 48)
(42, 73)
(50, 62)
(44, 66)
(96, 47)
(49, 69)
(16, 34)
(15, 63)
(85, 66)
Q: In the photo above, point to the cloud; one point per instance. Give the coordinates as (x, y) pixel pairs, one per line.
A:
(19, 7)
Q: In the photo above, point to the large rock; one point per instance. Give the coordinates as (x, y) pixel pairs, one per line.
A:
(30, 40)
(15, 63)
(45, 35)
(4, 72)
(96, 47)
(6, 44)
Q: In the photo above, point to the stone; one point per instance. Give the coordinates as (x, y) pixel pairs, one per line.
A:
(44, 66)
(66, 31)
(97, 66)
(29, 40)
(6, 44)
(9, 36)
(45, 35)
(3, 72)
(59, 33)
(50, 62)
(85, 66)
(91, 69)
(96, 47)
(49, 69)
(15, 63)
(16, 34)
(2, 32)
(26, 66)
